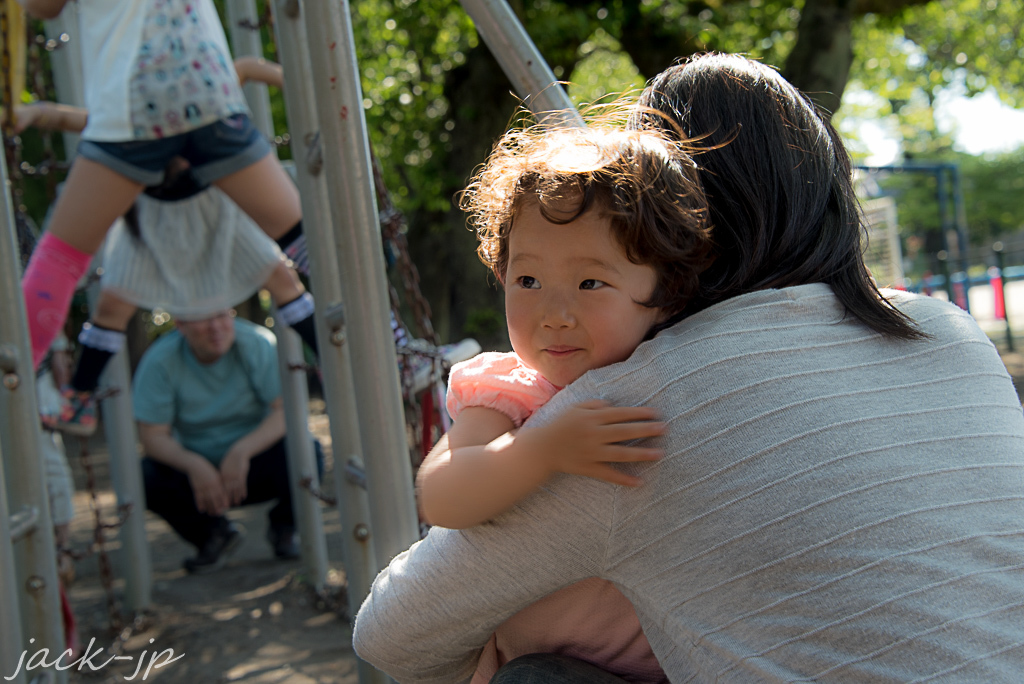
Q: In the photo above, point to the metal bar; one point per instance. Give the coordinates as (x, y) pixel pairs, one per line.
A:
(134, 560)
(66, 64)
(301, 455)
(945, 224)
(24, 523)
(335, 363)
(11, 638)
(521, 61)
(960, 217)
(247, 41)
(20, 443)
(294, 392)
(1001, 265)
(358, 248)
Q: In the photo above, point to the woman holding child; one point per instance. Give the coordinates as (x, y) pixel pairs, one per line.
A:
(838, 493)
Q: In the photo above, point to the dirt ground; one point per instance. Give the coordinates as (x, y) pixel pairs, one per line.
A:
(255, 621)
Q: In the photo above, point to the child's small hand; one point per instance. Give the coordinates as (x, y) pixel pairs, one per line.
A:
(243, 67)
(585, 440)
(26, 116)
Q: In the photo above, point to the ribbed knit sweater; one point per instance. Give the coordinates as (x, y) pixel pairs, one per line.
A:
(833, 506)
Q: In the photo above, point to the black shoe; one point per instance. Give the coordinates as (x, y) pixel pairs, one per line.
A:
(215, 552)
(285, 541)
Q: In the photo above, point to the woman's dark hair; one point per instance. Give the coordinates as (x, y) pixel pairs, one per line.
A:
(778, 183)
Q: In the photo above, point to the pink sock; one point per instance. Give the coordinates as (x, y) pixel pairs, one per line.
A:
(48, 285)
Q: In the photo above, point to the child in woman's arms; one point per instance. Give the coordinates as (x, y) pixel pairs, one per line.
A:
(598, 236)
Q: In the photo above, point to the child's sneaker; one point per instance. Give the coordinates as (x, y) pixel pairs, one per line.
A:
(78, 413)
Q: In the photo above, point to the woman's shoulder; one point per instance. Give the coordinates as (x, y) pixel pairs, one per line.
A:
(942, 321)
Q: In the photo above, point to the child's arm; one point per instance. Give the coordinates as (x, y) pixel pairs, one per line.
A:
(44, 9)
(480, 468)
(50, 116)
(259, 69)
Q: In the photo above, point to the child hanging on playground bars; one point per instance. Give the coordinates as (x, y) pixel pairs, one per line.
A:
(183, 247)
(158, 84)
(597, 236)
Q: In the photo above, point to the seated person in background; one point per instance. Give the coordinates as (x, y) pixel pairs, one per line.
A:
(207, 398)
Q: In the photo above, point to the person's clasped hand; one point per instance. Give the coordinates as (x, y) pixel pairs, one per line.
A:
(210, 494)
(234, 472)
(587, 438)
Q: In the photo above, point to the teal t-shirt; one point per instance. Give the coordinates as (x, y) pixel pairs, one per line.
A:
(209, 407)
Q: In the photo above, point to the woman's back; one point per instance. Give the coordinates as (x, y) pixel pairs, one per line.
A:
(832, 504)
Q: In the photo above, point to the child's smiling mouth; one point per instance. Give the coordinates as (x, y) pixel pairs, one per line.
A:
(559, 350)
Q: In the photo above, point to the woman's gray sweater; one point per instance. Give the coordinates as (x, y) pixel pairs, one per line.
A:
(833, 506)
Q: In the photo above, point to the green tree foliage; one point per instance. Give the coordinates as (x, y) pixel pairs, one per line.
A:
(968, 44)
(907, 58)
(994, 186)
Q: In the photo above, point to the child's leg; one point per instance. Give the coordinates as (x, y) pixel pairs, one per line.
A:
(93, 197)
(294, 305)
(267, 194)
(101, 338)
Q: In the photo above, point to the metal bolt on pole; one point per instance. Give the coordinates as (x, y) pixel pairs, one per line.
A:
(359, 252)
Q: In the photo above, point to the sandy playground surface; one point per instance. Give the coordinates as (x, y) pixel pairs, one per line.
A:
(254, 621)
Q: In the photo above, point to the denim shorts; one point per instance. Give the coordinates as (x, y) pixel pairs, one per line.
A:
(214, 151)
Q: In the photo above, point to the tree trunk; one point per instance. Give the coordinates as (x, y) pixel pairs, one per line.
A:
(819, 64)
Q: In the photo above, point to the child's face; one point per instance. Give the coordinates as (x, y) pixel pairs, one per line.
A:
(571, 295)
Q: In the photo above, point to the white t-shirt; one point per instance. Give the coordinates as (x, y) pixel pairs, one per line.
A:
(154, 68)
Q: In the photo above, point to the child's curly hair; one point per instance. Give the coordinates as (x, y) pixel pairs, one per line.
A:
(645, 183)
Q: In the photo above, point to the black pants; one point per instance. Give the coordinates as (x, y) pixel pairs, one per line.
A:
(548, 668)
(169, 493)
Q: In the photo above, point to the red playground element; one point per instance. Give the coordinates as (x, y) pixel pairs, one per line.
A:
(995, 279)
(960, 294)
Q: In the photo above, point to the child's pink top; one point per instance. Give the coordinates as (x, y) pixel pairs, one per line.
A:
(590, 620)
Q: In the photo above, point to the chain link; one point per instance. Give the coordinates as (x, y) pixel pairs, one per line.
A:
(266, 20)
(307, 484)
(99, 538)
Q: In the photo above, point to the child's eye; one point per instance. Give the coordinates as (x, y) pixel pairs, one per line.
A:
(528, 282)
(591, 284)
